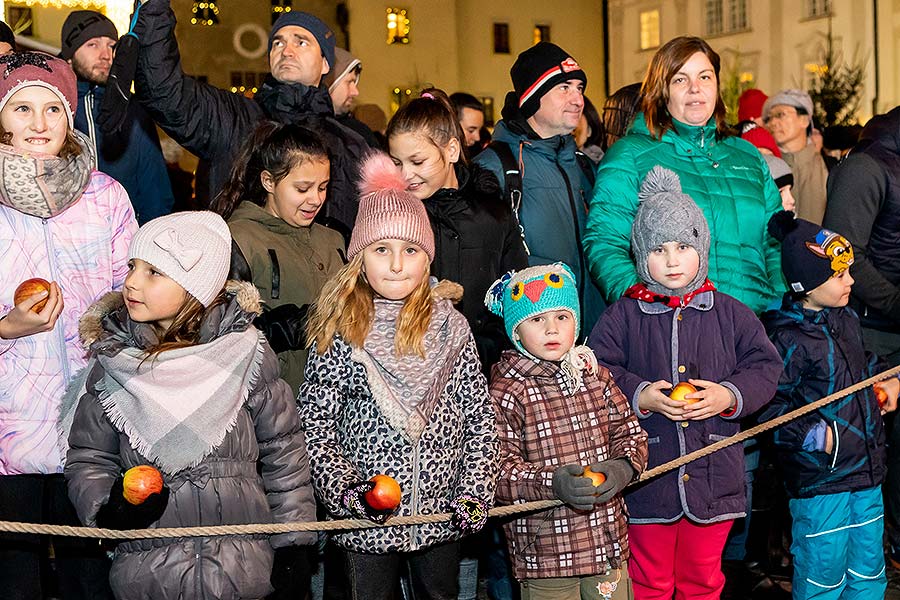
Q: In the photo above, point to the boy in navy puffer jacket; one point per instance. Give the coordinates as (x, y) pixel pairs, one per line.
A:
(833, 460)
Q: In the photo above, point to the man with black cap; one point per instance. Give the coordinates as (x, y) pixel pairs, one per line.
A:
(536, 134)
(133, 157)
(213, 123)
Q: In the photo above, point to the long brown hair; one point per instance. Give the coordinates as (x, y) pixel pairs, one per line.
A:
(185, 328)
(346, 307)
(432, 115)
(655, 89)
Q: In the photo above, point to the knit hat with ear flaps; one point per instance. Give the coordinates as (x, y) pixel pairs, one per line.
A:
(810, 255)
(537, 70)
(666, 214)
(191, 248)
(24, 69)
(387, 211)
(519, 295)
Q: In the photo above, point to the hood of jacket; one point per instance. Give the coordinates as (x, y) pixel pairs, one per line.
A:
(884, 129)
(287, 102)
(478, 187)
(515, 132)
(254, 212)
(792, 314)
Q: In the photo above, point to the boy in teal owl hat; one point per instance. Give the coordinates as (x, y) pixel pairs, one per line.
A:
(558, 414)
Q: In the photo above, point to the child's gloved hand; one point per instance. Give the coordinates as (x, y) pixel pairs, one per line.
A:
(470, 514)
(354, 501)
(119, 513)
(572, 488)
(619, 473)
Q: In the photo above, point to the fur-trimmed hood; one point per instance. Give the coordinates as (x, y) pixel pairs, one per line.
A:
(244, 297)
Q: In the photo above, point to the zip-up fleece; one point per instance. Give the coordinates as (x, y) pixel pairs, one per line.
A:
(85, 250)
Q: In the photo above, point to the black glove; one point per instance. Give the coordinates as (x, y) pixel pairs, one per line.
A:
(573, 488)
(354, 501)
(284, 326)
(114, 107)
(291, 572)
(119, 513)
(470, 514)
(619, 473)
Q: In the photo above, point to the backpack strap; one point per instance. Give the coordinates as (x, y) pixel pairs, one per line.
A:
(512, 180)
(587, 166)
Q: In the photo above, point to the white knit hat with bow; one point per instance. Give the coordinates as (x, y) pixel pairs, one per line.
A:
(192, 248)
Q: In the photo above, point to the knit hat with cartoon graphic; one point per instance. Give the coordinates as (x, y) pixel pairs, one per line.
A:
(666, 214)
(519, 295)
(810, 255)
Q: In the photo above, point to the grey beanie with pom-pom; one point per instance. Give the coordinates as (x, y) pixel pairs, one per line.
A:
(666, 214)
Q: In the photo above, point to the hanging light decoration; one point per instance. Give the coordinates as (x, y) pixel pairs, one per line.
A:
(118, 11)
(205, 13)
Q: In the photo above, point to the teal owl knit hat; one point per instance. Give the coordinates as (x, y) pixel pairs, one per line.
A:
(519, 295)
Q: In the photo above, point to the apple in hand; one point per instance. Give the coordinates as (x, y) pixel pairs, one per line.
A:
(29, 288)
(681, 390)
(139, 482)
(596, 478)
(385, 495)
(880, 394)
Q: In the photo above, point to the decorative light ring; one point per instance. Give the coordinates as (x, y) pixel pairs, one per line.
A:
(261, 35)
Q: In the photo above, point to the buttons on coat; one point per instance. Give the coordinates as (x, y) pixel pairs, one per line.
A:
(681, 369)
(684, 424)
(685, 477)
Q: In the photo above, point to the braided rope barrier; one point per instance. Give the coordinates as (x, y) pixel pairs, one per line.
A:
(350, 524)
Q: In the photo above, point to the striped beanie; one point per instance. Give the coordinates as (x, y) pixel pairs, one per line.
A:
(537, 70)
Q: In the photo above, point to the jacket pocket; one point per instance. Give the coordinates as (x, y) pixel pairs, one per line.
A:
(726, 469)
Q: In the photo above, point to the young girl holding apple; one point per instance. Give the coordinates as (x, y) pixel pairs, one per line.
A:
(670, 328)
(559, 413)
(394, 387)
(180, 379)
(62, 221)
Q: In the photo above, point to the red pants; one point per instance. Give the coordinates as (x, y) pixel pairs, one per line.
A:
(680, 557)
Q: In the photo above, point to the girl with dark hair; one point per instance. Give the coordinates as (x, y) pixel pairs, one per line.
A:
(618, 113)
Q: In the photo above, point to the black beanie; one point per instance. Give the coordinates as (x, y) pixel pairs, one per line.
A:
(810, 255)
(81, 26)
(7, 35)
(537, 70)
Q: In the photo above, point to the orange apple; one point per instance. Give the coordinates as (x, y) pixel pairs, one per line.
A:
(29, 288)
(139, 482)
(681, 390)
(880, 394)
(596, 478)
(385, 495)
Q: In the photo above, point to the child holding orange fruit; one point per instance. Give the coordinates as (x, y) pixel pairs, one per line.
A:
(833, 459)
(671, 328)
(566, 432)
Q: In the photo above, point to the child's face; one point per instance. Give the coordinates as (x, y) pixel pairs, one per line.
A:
(297, 198)
(426, 167)
(150, 296)
(394, 268)
(834, 293)
(673, 264)
(548, 335)
(36, 118)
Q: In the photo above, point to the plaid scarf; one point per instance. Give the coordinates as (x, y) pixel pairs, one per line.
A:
(177, 407)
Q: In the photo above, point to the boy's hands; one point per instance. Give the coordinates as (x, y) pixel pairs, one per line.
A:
(619, 474)
(891, 389)
(712, 399)
(653, 398)
(570, 486)
(22, 322)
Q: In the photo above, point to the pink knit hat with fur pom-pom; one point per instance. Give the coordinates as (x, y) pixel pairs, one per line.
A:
(386, 210)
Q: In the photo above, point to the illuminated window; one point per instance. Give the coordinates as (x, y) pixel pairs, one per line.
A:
(397, 26)
(649, 29)
(488, 103)
(818, 8)
(279, 7)
(501, 38)
(205, 13)
(541, 33)
(726, 16)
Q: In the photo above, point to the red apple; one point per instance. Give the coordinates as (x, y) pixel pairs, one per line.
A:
(386, 493)
(880, 394)
(596, 478)
(681, 390)
(29, 288)
(139, 482)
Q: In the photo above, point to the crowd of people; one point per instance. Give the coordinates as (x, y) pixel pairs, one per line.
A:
(539, 312)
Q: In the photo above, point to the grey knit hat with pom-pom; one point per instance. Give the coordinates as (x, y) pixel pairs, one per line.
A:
(666, 214)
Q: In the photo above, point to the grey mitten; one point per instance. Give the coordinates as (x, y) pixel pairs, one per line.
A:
(572, 488)
(618, 472)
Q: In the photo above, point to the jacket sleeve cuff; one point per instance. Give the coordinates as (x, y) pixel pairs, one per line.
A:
(735, 411)
(641, 414)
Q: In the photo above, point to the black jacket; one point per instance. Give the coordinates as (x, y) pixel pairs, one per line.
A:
(864, 206)
(213, 123)
(476, 240)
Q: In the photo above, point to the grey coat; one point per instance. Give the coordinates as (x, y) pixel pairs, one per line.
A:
(258, 474)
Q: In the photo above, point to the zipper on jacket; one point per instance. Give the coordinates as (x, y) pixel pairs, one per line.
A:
(837, 445)
(59, 327)
(91, 130)
(581, 276)
(414, 497)
(276, 275)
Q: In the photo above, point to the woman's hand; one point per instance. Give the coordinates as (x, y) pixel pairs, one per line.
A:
(891, 388)
(712, 399)
(652, 398)
(21, 321)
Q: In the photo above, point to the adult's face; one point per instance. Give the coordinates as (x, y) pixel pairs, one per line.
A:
(560, 109)
(471, 121)
(296, 57)
(344, 93)
(92, 61)
(787, 126)
(693, 91)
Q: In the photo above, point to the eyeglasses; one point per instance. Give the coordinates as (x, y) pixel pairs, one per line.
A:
(781, 115)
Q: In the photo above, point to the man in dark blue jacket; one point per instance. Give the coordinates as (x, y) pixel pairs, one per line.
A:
(133, 157)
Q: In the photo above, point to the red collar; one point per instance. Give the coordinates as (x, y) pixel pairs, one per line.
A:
(640, 292)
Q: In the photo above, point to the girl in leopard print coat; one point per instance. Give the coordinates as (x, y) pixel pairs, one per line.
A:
(394, 386)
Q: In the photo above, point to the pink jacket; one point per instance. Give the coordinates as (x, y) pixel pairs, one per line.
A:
(85, 250)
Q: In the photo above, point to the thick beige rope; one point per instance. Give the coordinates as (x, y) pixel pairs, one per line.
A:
(348, 524)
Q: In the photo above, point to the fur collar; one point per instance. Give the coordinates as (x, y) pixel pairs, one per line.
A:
(90, 326)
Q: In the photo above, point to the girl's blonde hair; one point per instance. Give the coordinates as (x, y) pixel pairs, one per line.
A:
(185, 328)
(346, 307)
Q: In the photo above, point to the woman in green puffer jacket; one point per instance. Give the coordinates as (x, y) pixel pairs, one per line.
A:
(683, 128)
